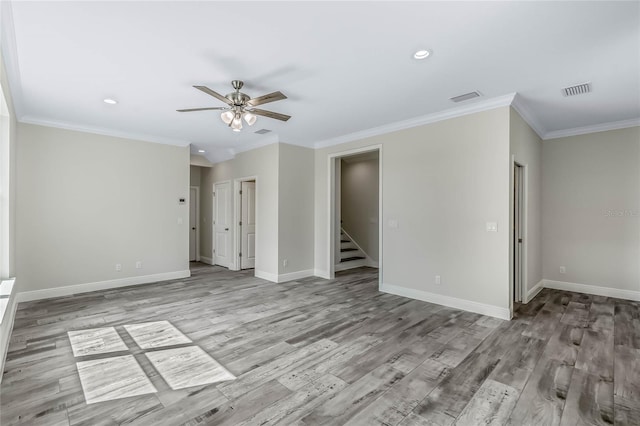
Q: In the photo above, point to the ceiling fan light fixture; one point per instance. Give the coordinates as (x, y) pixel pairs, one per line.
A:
(249, 118)
(421, 54)
(227, 116)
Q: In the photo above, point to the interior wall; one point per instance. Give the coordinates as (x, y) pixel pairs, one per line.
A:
(194, 175)
(591, 215)
(360, 203)
(526, 149)
(261, 163)
(88, 202)
(296, 182)
(442, 183)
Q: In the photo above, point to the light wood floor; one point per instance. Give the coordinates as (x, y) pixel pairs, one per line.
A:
(337, 352)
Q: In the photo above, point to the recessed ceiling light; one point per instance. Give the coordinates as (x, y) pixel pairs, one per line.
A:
(421, 54)
(110, 101)
(201, 151)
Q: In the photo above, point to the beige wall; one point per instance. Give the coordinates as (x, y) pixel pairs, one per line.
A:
(442, 182)
(295, 236)
(526, 150)
(261, 163)
(359, 204)
(591, 209)
(87, 202)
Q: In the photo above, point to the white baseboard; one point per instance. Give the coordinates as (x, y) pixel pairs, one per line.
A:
(280, 278)
(266, 276)
(321, 273)
(534, 291)
(372, 263)
(593, 289)
(295, 275)
(452, 302)
(207, 260)
(6, 327)
(28, 296)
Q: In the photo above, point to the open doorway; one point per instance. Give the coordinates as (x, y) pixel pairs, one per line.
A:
(355, 209)
(518, 232)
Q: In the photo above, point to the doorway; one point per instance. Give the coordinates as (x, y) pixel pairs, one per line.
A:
(194, 218)
(343, 243)
(518, 232)
(247, 224)
(222, 224)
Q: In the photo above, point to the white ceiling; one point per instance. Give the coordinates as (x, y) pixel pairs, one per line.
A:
(346, 67)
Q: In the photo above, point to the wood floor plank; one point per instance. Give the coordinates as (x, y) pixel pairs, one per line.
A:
(401, 398)
(450, 397)
(355, 397)
(589, 401)
(542, 400)
(491, 405)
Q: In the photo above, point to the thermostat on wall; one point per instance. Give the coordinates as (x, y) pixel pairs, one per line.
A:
(182, 200)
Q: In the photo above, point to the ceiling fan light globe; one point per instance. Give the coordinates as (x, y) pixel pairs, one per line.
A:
(249, 118)
(227, 116)
(236, 124)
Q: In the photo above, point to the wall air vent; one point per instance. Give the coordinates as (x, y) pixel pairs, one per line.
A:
(262, 131)
(578, 89)
(466, 96)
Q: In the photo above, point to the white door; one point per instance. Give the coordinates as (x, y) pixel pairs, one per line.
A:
(193, 222)
(222, 254)
(248, 225)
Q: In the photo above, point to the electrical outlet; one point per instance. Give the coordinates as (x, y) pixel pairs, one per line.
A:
(438, 281)
(118, 267)
(139, 264)
(285, 262)
(563, 270)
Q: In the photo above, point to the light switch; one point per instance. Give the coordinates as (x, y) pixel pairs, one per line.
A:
(179, 221)
(393, 223)
(492, 226)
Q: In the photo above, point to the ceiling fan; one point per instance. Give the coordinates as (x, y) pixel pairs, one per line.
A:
(240, 105)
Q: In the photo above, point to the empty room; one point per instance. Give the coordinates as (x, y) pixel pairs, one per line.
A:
(320, 213)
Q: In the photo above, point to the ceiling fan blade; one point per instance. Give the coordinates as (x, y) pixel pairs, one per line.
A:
(271, 97)
(200, 109)
(270, 114)
(216, 95)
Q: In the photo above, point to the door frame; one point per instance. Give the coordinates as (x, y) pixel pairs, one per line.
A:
(525, 232)
(331, 225)
(237, 203)
(197, 188)
(214, 218)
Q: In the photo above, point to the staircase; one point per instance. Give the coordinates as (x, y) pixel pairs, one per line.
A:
(351, 256)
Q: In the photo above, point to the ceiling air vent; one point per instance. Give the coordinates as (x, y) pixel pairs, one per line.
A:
(262, 131)
(466, 96)
(578, 89)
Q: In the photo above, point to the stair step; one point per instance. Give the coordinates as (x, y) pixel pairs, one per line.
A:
(348, 259)
(349, 249)
(345, 241)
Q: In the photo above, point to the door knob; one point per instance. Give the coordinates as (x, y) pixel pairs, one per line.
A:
(226, 229)
(194, 228)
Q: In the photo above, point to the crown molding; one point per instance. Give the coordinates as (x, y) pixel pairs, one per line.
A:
(10, 56)
(102, 131)
(519, 105)
(473, 108)
(603, 127)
